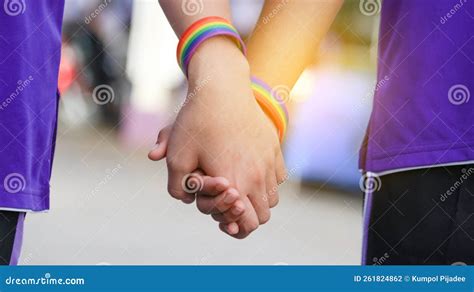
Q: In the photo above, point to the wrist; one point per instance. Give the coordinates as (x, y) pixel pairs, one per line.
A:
(218, 55)
(272, 104)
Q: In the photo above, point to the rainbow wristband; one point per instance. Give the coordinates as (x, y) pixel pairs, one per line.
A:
(200, 31)
(271, 104)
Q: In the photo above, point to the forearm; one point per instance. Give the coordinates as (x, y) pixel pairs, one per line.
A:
(287, 37)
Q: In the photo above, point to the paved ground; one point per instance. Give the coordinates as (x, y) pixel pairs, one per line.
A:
(109, 205)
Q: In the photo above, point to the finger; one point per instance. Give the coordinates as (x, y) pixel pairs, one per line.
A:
(183, 183)
(258, 197)
(189, 199)
(272, 190)
(159, 149)
(223, 228)
(248, 222)
(261, 208)
(231, 229)
(280, 168)
(231, 215)
(219, 204)
(213, 186)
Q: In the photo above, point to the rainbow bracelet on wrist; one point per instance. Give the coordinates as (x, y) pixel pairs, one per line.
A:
(272, 104)
(200, 31)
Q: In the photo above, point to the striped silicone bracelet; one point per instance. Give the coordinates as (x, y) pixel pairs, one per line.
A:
(200, 31)
(271, 104)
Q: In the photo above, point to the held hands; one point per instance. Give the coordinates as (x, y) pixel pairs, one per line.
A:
(224, 141)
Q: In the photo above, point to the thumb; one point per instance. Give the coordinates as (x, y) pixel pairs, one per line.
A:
(158, 151)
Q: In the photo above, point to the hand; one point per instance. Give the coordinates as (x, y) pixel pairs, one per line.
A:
(214, 195)
(222, 131)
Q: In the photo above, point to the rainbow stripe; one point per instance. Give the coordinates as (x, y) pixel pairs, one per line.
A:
(200, 31)
(271, 104)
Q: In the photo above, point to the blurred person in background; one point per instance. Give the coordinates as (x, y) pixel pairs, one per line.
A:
(96, 47)
(418, 151)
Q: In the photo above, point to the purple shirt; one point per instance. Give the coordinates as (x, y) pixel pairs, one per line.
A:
(30, 48)
(423, 112)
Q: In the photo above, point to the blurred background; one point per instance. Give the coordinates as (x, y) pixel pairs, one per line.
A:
(120, 85)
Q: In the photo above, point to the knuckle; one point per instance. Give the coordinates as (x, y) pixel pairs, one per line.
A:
(264, 218)
(221, 218)
(253, 227)
(283, 176)
(257, 177)
(274, 200)
(188, 200)
(241, 235)
(272, 192)
(231, 217)
(202, 206)
(175, 164)
(221, 207)
(175, 193)
(226, 218)
(250, 227)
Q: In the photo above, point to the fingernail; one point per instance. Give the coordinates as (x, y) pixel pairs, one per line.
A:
(237, 210)
(232, 229)
(229, 198)
(221, 187)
